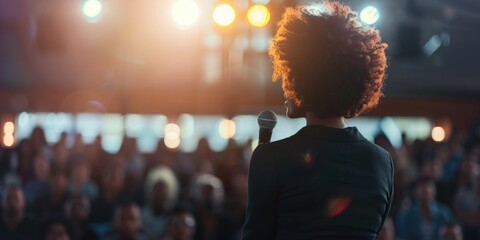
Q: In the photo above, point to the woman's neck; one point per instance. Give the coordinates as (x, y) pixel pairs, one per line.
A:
(334, 122)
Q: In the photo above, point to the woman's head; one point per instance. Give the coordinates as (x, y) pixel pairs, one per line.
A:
(329, 63)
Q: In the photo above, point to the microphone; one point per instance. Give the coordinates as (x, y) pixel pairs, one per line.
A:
(266, 121)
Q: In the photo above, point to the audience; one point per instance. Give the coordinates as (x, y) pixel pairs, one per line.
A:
(79, 191)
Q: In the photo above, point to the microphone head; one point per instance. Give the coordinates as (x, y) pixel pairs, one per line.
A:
(267, 119)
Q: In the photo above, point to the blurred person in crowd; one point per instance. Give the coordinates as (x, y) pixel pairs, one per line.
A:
(466, 203)
(134, 169)
(51, 202)
(181, 226)
(77, 211)
(112, 182)
(388, 230)
(212, 222)
(230, 161)
(80, 182)
(96, 157)
(432, 167)
(327, 180)
(39, 142)
(452, 231)
(161, 190)
(38, 183)
(236, 202)
(455, 155)
(127, 224)
(25, 155)
(56, 229)
(61, 152)
(78, 146)
(402, 177)
(423, 219)
(14, 222)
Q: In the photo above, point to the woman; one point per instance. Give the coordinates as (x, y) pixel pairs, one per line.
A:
(326, 181)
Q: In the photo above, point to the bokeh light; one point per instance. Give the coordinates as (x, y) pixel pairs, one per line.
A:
(258, 15)
(8, 140)
(8, 128)
(224, 15)
(185, 12)
(227, 128)
(92, 8)
(369, 15)
(438, 134)
(172, 136)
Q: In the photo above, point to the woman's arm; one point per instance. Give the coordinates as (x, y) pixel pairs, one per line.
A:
(260, 220)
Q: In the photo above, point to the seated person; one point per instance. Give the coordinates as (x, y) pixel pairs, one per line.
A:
(127, 224)
(423, 219)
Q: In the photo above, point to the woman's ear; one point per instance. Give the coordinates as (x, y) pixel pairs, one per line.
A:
(294, 110)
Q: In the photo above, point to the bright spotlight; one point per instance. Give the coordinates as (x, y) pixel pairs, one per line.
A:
(185, 12)
(224, 15)
(438, 134)
(369, 15)
(258, 15)
(92, 8)
(227, 128)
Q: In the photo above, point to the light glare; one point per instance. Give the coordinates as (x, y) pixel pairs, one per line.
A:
(258, 15)
(224, 15)
(92, 8)
(8, 140)
(370, 15)
(227, 128)
(8, 128)
(438, 134)
(185, 12)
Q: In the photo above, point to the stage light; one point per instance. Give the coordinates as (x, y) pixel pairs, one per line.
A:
(185, 12)
(438, 134)
(258, 15)
(92, 8)
(224, 15)
(227, 128)
(369, 15)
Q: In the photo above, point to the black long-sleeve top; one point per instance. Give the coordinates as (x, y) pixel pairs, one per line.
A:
(320, 183)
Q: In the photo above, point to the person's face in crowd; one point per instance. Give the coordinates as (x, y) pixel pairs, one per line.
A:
(433, 169)
(58, 182)
(426, 192)
(451, 233)
(78, 208)
(182, 226)
(160, 196)
(128, 221)
(80, 173)
(57, 231)
(41, 167)
(469, 167)
(388, 231)
(113, 179)
(13, 203)
(61, 155)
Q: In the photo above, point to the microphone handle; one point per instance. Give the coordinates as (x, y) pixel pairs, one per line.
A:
(264, 136)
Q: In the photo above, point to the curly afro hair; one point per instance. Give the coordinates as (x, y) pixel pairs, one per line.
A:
(328, 61)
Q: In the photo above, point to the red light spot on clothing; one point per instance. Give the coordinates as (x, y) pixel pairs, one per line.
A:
(338, 205)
